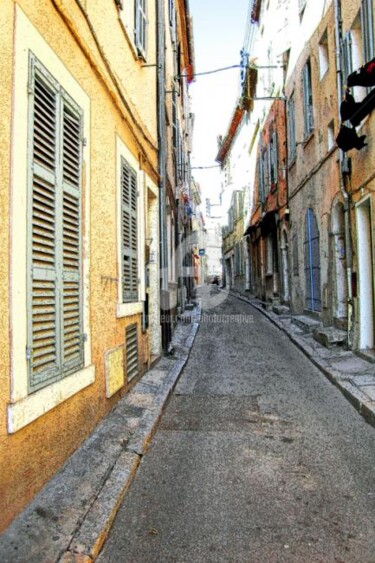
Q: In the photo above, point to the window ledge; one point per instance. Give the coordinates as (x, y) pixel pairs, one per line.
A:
(33, 406)
(128, 309)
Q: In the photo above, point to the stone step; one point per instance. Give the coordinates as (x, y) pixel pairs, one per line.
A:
(281, 310)
(330, 336)
(306, 324)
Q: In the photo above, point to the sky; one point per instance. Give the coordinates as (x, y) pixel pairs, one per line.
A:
(219, 28)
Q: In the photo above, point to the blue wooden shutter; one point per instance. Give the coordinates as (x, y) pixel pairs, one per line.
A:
(129, 232)
(312, 263)
(43, 310)
(72, 325)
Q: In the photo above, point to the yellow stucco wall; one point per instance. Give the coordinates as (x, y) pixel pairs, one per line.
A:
(31, 455)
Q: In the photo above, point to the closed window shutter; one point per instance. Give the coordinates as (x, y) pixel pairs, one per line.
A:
(367, 25)
(55, 342)
(275, 158)
(307, 99)
(347, 64)
(129, 233)
(43, 287)
(140, 26)
(71, 221)
(261, 189)
(291, 128)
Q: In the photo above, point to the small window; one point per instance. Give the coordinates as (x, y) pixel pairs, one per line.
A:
(323, 55)
(330, 135)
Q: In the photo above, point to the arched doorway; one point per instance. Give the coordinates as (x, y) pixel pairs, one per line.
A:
(313, 300)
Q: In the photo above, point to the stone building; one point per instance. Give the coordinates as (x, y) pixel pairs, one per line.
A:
(82, 201)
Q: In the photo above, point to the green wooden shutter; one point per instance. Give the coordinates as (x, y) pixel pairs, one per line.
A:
(72, 326)
(129, 232)
(42, 298)
(55, 339)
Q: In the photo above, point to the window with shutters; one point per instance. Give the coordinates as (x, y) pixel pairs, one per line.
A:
(140, 31)
(346, 57)
(129, 232)
(307, 99)
(273, 160)
(55, 333)
(291, 129)
(261, 178)
(367, 26)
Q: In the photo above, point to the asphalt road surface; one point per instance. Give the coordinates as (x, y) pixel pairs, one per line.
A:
(258, 458)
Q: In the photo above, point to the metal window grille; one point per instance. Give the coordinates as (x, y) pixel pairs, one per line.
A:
(131, 338)
(54, 296)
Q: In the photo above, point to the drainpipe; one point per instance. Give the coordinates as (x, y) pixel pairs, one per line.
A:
(162, 174)
(348, 240)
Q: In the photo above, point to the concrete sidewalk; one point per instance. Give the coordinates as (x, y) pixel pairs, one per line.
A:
(68, 521)
(353, 375)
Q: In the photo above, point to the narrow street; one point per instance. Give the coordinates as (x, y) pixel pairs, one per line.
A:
(258, 458)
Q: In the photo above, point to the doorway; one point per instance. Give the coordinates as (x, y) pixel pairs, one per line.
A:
(312, 263)
(365, 275)
(340, 305)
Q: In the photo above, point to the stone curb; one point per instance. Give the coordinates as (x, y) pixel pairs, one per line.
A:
(81, 538)
(93, 532)
(351, 392)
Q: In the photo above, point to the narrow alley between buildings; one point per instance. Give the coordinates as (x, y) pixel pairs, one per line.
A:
(258, 457)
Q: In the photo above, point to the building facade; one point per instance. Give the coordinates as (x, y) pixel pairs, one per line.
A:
(81, 222)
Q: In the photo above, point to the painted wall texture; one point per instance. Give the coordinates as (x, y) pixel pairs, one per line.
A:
(89, 48)
(313, 174)
(361, 186)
